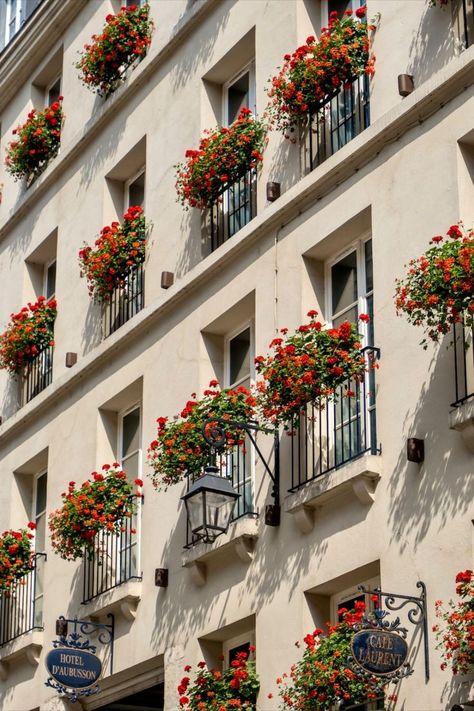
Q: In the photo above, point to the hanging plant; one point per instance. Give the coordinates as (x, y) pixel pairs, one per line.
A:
(119, 248)
(28, 333)
(212, 690)
(437, 290)
(456, 636)
(224, 155)
(124, 39)
(319, 68)
(180, 448)
(438, 3)
(15, 556)
(37, 142)
(308, 366)
(99, 504)
(321, 679)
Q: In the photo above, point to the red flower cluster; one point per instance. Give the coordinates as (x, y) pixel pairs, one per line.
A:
(456, 636)
(37, 142)
(15, 556)
(125, 38)
(29, 332)
(319, 68)
(321, 679)
(307, 366)
(180, 447)
(119, 247)
(224, 155)
(100, 504)
(214, 690)
(437, 290)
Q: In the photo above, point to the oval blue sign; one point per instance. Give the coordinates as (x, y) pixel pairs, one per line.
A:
(378, 652)
(74, 668)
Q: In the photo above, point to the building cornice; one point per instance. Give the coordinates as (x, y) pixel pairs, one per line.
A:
(28, 47)
(423, 103)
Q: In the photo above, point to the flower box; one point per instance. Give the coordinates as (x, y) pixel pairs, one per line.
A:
(29, 332)
(36, 144)
(118, 249)
(15, 557)
(124, 39)
(456, 636)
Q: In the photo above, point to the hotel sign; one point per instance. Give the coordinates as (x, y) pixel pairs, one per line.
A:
(74, 668)
(379, 652)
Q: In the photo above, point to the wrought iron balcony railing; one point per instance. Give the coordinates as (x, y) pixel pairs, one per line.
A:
(233, 209)
(21, 606)
(337, 430)
(338, 119)
(114, 561)
(463, 353)
(37, 375)
(125, 301)
(238, 467)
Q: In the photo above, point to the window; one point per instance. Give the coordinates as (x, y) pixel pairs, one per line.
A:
(13, 18)
(135, 190)
(238, 365)
(232, 647)
(49, 280)
(340, 6)
(53, 91)
(129, 448)
(38, 516)
(238, 93)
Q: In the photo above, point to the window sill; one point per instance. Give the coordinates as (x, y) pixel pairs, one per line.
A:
(239, 541)
(359, 477)
(462, 420)
(122, 600)
(26, 648)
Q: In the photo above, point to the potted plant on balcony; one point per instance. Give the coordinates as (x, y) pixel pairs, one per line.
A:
(180, 448)
(100, 504)
(224, 155)
(15, 556)
(119, 248)
(30, 331)
(36, 144)
(213, 690)
(456, 636)
(308, 366)
(319, 68)
(124, 39)
(437, 290)
(322, 678)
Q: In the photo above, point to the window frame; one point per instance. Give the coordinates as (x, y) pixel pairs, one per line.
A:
(249, 69)
(351, 592)
(249, 323)
(39, 568)
(8, 19)
(129, 182)
(46, 267)
(229, 644)
(136, 520)
(49, 86)
(353, 5)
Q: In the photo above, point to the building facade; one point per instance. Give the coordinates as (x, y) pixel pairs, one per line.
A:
(352, 208)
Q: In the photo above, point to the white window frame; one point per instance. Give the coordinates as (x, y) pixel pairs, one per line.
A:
(353, 5)
(8, 19)
(229, 644)
(359, 247)
(34, 517)
(137, 519)
(46, 266)
(227, 339)
(128, 183)
(49, 86)
(250, 70)
(349, 593)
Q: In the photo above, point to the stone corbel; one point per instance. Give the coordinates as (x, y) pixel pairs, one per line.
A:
(304, 518)
(197, 572)
(364, 489)
(128, 608)
(245, 549)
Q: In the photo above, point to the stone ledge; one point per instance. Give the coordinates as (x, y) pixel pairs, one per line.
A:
(240, 541)
(462, 420)
(122, 600)
(26, 648)
(359, 477)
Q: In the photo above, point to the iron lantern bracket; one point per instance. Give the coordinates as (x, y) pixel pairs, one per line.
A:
(214, 432)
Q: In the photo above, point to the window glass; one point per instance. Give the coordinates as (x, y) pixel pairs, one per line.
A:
(53, 92)
(50, 280)
(237, 650)
(344, 286)
(239, 357)
(136, 191)
(238, 96)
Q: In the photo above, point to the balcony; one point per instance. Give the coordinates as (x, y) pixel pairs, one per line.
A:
(37, 375)
(233, 209)
(338, 119)
(462, 416)
(125, 301)
(21, 607)
(111, 572)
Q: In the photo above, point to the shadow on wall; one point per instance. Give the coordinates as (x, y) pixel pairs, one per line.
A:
(203, 43)
(432, 46)
(11, 397)
(436, 488)
(285, 164)
(94, 160)
(92, 331)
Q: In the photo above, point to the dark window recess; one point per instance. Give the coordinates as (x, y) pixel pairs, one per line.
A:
(239, 356)
(238, 95)
(50, 280)
(136, 191)
(237, 650)
(348, 605)
(54, 92)
(152, 699)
